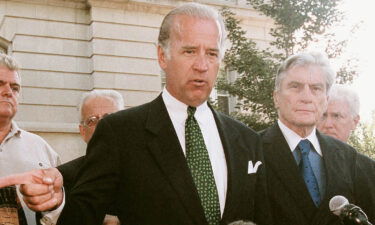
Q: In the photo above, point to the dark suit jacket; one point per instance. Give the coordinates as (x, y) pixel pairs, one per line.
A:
(135, 159)
(69, 172)
(290, 201)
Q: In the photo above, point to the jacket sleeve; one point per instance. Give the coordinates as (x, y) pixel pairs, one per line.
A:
(95, 187)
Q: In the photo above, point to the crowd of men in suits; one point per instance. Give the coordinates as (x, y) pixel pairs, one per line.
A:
(176, 160)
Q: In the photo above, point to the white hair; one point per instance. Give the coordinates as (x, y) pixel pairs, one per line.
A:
(114, 95)
(306, 59)
(341, 92)
(10, 63)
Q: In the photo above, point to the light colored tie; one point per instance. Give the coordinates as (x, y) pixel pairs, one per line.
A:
(200, 168)
(307, 171)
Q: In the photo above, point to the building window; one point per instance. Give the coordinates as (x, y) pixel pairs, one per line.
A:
(3, 50)
(4, 45)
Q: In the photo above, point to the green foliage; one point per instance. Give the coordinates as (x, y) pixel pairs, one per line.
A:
(256, 69)
(297, 24)
(309, 17)
(363, 139)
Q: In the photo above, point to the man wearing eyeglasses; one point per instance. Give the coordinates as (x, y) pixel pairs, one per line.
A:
(342, 115)
(92, 108)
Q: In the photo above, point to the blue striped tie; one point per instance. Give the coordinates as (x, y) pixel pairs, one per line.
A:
(307, 171)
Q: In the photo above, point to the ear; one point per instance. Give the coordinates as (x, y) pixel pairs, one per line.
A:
(356, 121)
(275, 99)
(162, 57)
(326, 104)
(82, 131)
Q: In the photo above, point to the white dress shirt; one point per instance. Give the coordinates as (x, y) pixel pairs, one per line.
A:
(292, 138)
(178, 113)
(315, 157)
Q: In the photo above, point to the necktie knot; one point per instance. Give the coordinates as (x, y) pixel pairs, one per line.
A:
(200, 167)
(308, 173)
(191, 111)
(304, 146)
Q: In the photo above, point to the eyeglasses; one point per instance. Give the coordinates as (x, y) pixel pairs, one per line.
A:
(333, 116)
(92, 121)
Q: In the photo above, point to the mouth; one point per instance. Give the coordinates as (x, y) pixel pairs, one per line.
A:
(4, 101)
(304, 111)
(198, 82)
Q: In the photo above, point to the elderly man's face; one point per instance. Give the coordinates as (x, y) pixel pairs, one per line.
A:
(9, 90)
(302, 98)
(338, 121)
(93, 110)
(194, 61)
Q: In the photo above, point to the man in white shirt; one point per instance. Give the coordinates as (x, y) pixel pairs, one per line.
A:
(174, 160)
(305, 168)
(20, 151)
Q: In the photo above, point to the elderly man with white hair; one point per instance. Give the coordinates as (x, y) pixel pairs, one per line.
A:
(305, 168)
(342, 115)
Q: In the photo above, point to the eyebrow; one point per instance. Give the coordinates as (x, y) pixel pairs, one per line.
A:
(189, 47)
(299, 83)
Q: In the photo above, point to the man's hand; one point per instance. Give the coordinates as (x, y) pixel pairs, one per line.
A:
(41, 189)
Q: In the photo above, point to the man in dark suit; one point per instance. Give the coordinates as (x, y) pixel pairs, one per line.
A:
(94, 106)
(300, 182)
(148, 160)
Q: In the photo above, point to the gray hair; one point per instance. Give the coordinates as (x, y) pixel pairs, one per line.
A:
(10, 63)
(306, 59)
(114, 95)
(194, 10)
(341, 92)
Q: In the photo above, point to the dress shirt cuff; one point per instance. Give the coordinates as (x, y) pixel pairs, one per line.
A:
(51, 217)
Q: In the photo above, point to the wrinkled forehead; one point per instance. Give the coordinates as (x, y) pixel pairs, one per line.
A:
(98, 105)
(309, 74)
(9, 75)
(338, 106)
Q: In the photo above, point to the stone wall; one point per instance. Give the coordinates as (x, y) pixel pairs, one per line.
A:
(67, 47)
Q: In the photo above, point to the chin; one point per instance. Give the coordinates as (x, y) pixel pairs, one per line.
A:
(305, 123)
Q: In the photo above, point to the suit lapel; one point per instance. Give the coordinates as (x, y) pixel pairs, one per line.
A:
(336, 169)
(282, 164)
(236, 163)
(165, 147)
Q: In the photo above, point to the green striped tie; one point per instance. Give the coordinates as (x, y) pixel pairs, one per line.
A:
(200, 168)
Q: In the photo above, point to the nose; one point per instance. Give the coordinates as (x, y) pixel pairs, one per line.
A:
(201, 63)
(6, 91)
(327, 122)
(306, 95)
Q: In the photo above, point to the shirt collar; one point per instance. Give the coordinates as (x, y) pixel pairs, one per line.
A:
(178, 110)
(14, 130)
(292, 138)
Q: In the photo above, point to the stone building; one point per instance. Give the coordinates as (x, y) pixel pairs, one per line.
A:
(67, 47)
